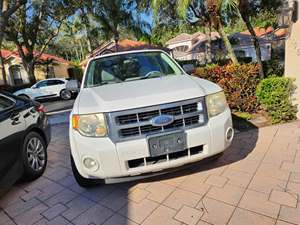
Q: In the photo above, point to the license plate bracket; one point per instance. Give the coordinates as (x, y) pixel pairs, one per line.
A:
(167, 143)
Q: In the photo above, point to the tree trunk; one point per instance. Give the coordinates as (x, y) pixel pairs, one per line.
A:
(257, 50)
(116, 37)
(81, 50)
(256, 44)
(244, 12)
(3, 22)
(77, 54)
(91, 42)
(227, 44)
(208, 55)
(30, 68)
(2, 62)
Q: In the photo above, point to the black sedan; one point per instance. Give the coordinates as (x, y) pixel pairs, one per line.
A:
(24, 138)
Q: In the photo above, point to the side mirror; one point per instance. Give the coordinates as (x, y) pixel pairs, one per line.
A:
(188, 68)
(34, 87)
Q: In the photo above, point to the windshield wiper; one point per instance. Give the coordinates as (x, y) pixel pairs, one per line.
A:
(149, 75)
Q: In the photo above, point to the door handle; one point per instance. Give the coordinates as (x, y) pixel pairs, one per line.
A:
(15, 118)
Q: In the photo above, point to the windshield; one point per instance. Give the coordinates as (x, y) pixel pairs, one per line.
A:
(130, 67)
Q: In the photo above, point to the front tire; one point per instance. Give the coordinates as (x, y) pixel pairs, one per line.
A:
(34, 156)
(82, 181)
(65, 94)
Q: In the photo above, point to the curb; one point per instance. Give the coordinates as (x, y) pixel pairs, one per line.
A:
(58, 112)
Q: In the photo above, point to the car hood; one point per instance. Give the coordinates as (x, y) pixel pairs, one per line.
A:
(25, 90)
(142, 93)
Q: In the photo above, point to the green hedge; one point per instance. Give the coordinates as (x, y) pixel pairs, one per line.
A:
(275, 96)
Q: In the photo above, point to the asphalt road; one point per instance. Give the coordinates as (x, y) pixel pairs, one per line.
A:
(53, 106)
(60, 118)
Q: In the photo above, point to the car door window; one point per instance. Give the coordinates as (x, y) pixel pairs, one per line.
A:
(5, 103)
(42, 84)
(59, 82)
(54, 82)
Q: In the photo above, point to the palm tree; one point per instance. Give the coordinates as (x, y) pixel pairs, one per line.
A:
(242, 9)
(214, 9)
(203, 19)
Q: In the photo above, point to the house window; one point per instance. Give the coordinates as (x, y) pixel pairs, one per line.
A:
(240, 53)
(16, 75)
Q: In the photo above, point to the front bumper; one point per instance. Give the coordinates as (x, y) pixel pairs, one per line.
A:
(113, 158)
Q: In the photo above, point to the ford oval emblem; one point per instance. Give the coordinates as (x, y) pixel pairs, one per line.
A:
(162, 120)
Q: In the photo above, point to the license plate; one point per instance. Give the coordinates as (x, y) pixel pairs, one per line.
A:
(166, 144)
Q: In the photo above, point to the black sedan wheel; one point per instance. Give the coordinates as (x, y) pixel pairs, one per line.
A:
(34, 156)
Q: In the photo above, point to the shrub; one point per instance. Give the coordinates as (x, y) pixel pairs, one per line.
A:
(238, 81)
(273, 67)
(274, 94)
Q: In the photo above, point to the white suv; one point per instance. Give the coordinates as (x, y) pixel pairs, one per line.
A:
(138, 112)
(49, 88)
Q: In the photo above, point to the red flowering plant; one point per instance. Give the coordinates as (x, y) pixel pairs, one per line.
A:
(238, 81)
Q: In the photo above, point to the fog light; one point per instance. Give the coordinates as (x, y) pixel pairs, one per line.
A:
(90, 164)
(229, 134)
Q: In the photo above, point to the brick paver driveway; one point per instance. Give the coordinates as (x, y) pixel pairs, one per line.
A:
(257, 181)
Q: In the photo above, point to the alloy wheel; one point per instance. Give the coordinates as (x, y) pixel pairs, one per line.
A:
(36, 154)
(66, 95)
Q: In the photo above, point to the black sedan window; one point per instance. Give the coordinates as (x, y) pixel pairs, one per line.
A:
(5, 103)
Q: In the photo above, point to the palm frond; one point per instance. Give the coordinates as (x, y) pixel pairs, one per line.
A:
(229, 5)
(182, 7)
(156, 5)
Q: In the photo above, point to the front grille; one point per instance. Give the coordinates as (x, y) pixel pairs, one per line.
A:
(129, 132)
(164, 158)
(136, 123)
(127, 119)
(144, 116)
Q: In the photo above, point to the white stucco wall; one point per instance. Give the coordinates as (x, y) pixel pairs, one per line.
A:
(292, 58)
(250, 51)
(184, 43)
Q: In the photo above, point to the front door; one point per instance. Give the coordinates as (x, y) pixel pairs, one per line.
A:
(42, 89)
(12, 126)
(16, 75)
(55, 86)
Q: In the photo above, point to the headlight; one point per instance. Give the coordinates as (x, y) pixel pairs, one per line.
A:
(91, 125)
(216, 103)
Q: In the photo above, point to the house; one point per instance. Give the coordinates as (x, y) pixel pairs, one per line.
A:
(270, 39)
(192, 46)
(50, 66)
(123, 45)
(244, 48)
